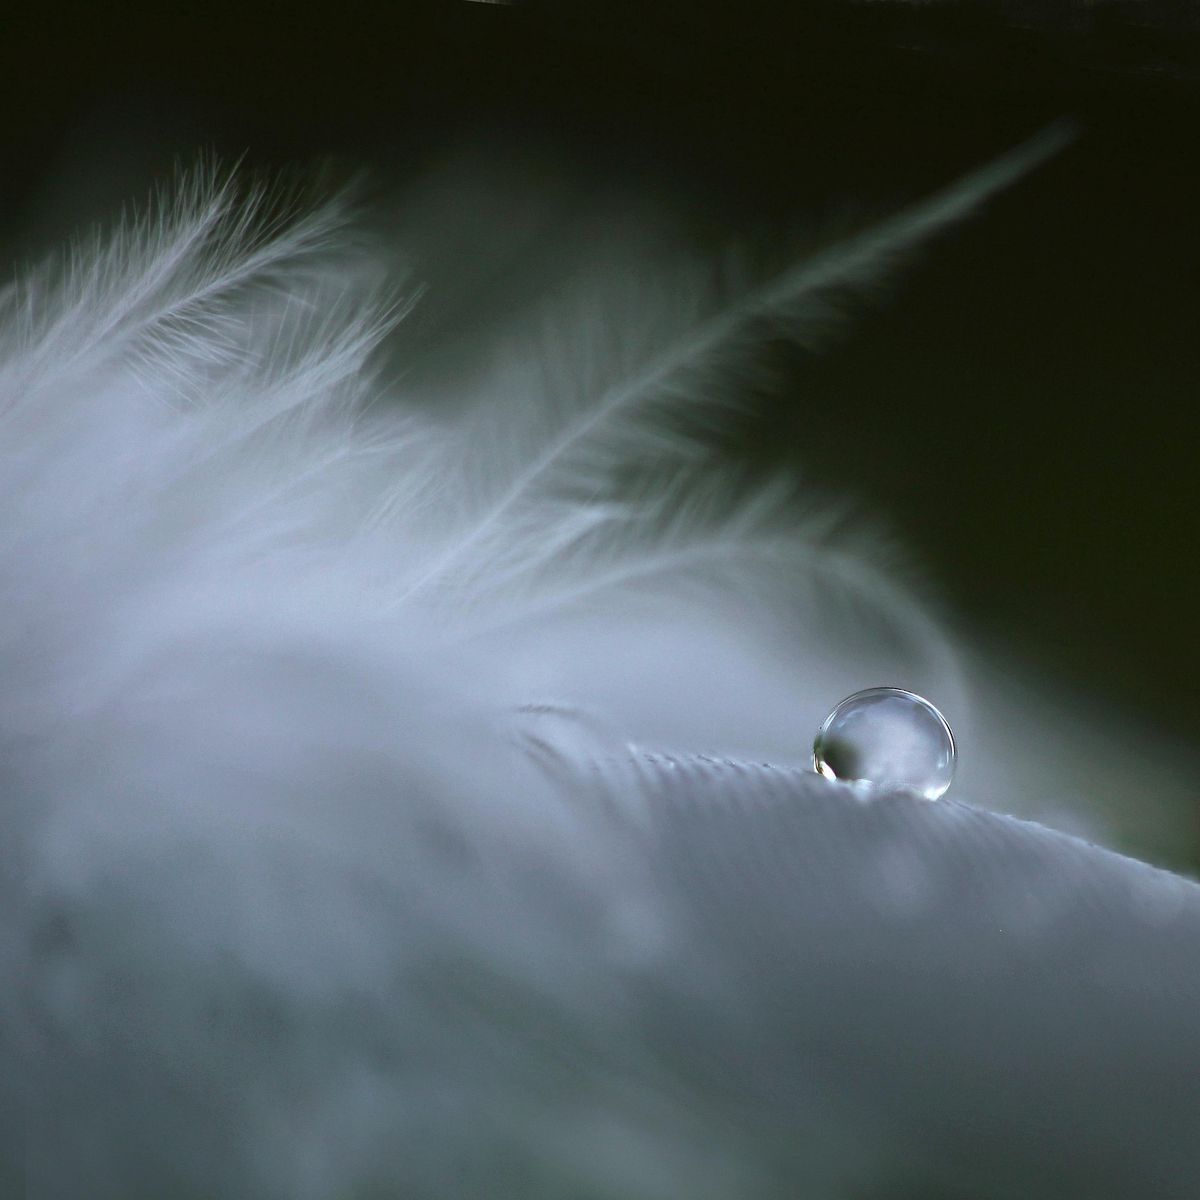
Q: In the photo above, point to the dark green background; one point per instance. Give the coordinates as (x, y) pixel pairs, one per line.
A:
(1024, 409)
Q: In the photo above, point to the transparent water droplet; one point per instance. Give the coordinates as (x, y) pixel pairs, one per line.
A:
(887, 737)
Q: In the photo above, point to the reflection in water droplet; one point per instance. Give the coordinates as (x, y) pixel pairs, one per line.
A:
(887, 737)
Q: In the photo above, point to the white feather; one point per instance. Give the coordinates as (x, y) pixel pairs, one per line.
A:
(290, 907)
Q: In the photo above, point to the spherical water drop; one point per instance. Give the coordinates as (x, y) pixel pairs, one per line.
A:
(887, 737)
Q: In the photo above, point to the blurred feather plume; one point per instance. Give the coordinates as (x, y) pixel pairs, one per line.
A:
(354, 714)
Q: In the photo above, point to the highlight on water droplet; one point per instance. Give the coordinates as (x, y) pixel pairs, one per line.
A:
(890, 738)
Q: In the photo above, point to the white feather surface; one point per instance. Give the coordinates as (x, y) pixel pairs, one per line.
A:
(312, 886)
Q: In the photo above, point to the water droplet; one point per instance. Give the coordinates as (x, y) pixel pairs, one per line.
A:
(887, 737)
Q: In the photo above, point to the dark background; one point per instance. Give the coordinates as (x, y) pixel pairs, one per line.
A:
(1024, 410)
